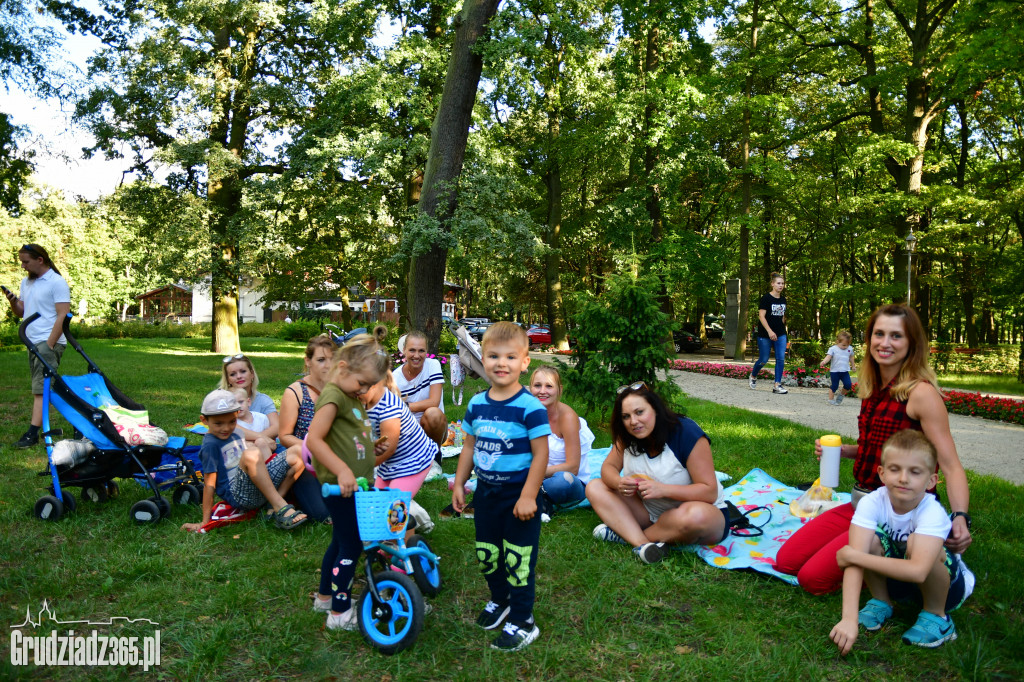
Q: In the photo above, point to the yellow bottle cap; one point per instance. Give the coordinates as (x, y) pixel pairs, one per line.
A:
(831, 440)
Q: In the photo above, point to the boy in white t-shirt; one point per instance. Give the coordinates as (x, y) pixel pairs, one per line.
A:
(253, 422)
(896, 547)
(840, 356)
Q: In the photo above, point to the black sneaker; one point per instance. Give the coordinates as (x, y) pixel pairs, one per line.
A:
(492, 615)
(516, 636)
(27, 440)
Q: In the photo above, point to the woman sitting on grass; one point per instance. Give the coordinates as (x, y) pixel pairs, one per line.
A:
(569, 441)
(299, 400)
(238, 372)
(898, 390)
(658, 484)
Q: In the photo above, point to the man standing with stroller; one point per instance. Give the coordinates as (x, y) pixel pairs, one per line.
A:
(43, 291)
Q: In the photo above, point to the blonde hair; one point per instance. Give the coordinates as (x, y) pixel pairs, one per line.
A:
(843, 334)
(915, 367)
(239, 391)
(556, 378)
(226, 384)
(363, 353)
(390, 384)
(911, 441)
(505, 332)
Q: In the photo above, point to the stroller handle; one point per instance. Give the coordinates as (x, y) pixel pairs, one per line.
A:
(68, 336)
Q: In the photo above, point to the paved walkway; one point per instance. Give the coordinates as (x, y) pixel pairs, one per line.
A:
(984, 446)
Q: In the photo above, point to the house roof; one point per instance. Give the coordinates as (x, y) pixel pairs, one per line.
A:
(163, 288)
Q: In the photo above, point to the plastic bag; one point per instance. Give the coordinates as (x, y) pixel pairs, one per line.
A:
(814, 501)
(71, 453)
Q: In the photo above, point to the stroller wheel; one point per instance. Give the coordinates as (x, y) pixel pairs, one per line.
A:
(113, 490)
(144, 511)
(95, 493)
(69, 501)
(186, 493)
(48, 508)
(163, 505)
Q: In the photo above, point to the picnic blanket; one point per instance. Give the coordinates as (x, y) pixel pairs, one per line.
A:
(757, 489)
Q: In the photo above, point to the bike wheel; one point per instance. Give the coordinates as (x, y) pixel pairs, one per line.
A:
(397, 622)
(425, 572)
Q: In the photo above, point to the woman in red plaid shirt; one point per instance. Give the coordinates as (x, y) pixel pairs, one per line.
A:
(899, 391)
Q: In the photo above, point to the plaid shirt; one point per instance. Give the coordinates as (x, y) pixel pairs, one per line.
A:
(880, 417)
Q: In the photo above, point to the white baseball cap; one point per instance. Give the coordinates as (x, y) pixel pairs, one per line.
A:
(220, 402)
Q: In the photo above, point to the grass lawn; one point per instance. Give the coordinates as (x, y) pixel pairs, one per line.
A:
(983, 383)
(234, 604)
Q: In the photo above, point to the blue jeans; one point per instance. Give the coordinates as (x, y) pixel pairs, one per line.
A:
(764, 347)
(563, 488)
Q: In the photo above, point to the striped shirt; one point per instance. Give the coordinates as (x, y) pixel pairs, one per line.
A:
(418, 388)
(415, 450)
(503, 431)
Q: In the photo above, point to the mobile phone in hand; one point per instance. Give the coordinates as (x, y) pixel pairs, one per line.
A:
(7, 292)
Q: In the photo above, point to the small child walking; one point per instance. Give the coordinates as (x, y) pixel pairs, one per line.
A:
(896, 548)
(506, 442)
(342, 449)
(840, 355)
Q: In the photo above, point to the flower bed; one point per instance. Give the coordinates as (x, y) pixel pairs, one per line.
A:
(957, 402)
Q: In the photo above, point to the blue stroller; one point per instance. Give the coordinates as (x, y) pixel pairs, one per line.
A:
(103, 454)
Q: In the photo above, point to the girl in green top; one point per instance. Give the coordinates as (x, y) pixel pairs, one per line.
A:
(339, 440)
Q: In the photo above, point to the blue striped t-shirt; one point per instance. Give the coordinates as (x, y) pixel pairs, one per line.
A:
(415, 450)
(503, 430)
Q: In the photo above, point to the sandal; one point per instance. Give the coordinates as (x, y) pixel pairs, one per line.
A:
(286, 521)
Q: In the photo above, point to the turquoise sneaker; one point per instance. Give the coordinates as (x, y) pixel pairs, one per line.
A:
(874, 614)
(930, 631)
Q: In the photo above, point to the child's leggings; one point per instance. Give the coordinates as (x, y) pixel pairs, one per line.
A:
(410, 484)
(506, 547)
(339, 564)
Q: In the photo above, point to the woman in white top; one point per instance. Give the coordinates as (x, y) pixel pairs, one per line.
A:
(420, 383)
(658, 484)
(568, 443)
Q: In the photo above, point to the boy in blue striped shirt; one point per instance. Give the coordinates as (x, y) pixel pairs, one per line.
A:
(506, 442)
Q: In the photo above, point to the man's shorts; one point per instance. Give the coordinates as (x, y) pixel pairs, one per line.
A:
(52, 357)
(245, 492)
(903, 591)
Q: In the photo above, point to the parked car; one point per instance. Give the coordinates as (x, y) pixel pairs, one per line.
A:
(471, 321)
(539, 336)
(687, 342)
(477, 330)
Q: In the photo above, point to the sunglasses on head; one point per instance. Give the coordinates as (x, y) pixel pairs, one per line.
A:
(232, 358)
(31, 248)
(639, 385)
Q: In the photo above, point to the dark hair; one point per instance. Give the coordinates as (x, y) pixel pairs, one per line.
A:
(37, 251)
(665, 421)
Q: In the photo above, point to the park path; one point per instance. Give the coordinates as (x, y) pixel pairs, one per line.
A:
(984, 446)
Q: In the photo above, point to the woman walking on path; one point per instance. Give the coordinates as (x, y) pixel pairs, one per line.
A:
(898, 391)
(771, 332)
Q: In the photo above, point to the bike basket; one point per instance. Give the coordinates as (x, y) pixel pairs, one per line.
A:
(382, 514)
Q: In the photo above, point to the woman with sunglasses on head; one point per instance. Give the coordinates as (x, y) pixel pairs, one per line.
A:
(238, 372)
(658, 484)
(898, 390)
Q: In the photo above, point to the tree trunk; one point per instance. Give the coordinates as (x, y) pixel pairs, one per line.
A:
(741, 327)
(449, 134)
(553, 258)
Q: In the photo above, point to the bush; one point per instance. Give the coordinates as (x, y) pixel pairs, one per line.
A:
(950, 359)
(303, 330)
(811, 353)
(621, 338)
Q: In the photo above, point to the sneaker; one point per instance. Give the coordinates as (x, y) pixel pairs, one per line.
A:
(603, 532)
(449, 513)
(27, 440)
(516, 636)
(780, 389)
(753, 383)
(839, 398)
(930, 631)
(545, 517)
(492, 615)
(651, 552)
(832, 402)
(874, 614)
(423, 524)
(343, 621)
(321, 605)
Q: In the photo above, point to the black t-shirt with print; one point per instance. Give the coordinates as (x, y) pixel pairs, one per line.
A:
(775, 310)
